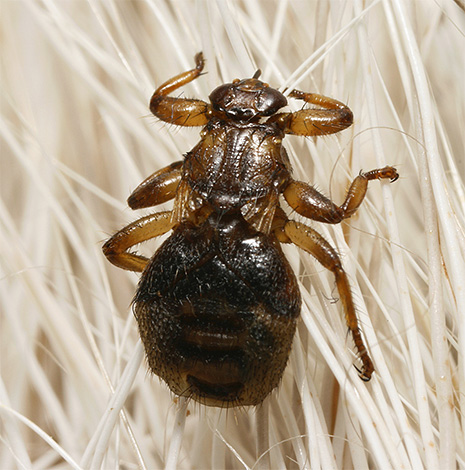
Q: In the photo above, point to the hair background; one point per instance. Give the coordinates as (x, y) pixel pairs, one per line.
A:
(77, 138)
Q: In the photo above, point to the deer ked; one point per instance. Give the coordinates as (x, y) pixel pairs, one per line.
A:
(217, 304)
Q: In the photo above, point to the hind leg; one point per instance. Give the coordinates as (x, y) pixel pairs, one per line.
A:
(116, 248)
(311, 241)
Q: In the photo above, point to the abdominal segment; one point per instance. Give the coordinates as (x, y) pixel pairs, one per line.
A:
(216, 326)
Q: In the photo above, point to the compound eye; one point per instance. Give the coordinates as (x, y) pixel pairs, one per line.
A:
(220, 94)
(269, 101)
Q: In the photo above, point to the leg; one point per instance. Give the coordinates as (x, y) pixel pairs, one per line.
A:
(307, 201)
(181, 111)
(157, 188)
(115, 249)
(310, 240)
(333, 116)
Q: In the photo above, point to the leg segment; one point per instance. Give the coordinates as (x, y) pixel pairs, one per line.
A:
(115, 249)
(311, 241)
(333, 116)
(157, 188)
(307, 201)
(181, 111)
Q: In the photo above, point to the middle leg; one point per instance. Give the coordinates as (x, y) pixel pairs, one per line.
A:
(310, 203)
(312, 242)
(157, 188)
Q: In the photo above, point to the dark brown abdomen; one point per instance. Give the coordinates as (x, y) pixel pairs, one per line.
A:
(218, 320)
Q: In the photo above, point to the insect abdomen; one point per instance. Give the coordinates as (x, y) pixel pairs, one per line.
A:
(218, 321)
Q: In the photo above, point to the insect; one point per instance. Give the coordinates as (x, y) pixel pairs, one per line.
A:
(217, 304)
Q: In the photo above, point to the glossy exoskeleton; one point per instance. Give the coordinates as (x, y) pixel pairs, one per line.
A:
(217, 303)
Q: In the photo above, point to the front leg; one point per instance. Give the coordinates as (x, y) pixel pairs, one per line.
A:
(333, 116)
(310, 203)
(181, 111)
(116, 248)
(312, 242)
